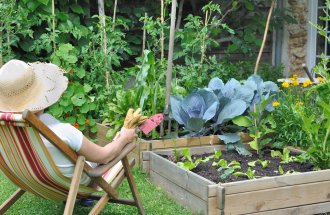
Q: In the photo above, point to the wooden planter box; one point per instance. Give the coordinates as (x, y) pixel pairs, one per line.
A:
(303, 193)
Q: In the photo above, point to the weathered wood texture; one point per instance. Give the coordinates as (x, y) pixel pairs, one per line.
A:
(303, 193)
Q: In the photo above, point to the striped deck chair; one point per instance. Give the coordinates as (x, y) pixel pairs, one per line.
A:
(25, 161)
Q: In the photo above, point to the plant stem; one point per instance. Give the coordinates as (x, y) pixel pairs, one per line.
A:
(265, 36)
(325, 138)
(203, 41)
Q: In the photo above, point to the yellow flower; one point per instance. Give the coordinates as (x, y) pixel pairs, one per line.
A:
(295, 76)
(292, 79)
(295, 83)
(307, 83)
(299, 103)
(321, 80)
(285, 84)
(275, 104)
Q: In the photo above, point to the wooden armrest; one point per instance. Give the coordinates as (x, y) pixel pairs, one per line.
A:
(101, 169)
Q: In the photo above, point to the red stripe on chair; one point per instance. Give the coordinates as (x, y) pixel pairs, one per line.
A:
(33, 162)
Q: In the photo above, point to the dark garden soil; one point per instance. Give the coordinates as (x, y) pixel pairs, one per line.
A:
(210, 172)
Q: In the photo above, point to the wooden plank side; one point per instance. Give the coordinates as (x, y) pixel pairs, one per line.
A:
(277, 181)
(212, 206)
(221, 197)
(277, 198)
(213, 189)
(302, 210)
(182, 196)
(198, 185)
(145, 156)
(145, 166)
(168, 170)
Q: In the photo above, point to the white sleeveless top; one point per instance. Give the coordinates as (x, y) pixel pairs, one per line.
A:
(72, 137)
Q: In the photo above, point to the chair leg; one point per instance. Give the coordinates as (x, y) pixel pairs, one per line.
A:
(132, 185)
(74, 186)
(11, 200)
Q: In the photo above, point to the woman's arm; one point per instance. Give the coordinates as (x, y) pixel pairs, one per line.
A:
(95, 153)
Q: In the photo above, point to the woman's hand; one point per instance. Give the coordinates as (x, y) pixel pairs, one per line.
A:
(127, 134)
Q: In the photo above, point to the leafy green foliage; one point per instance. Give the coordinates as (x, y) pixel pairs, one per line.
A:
(259, 123)
(287, 158)
(189, 163)
(263, 163)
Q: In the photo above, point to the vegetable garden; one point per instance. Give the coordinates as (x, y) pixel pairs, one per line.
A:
(134, 54)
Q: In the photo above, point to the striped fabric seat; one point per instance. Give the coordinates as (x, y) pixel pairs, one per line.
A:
(25, 160)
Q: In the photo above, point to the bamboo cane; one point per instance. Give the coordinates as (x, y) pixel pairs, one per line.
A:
(102, 15)
(162, 33)
(114, 15)
(265, 36)
(1, 57)
(53, 20)
(144, 36)
(178, 22)
(170, 58)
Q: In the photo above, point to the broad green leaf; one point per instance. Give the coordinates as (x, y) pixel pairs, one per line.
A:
(242, 121)
(84, 108)
(87, 88)
(45, 2)
(80, 72)
(77, 8)
(81, 120)
(195, 124)
(217, 154)
(78, 99)
(252, 163)
(71, 119)
(226, 173)
(253, 144)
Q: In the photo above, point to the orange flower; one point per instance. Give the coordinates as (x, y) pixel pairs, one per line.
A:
(86, 121)
(76, 125)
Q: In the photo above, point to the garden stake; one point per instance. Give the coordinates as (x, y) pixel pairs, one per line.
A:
(53, 17)
(162, 33)
(265, 36)
(114, 15)
(102, 16)
(170, 58)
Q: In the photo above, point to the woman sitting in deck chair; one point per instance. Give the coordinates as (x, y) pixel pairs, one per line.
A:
(35, 87)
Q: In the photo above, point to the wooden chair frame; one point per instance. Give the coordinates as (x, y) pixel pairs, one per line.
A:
(81, 166)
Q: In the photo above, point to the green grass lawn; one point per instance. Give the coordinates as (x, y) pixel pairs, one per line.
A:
(154, 200)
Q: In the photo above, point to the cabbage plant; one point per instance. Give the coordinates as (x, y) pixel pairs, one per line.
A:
(194, 110)
(209, 110)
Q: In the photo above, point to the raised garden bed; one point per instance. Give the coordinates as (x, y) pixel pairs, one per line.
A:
(302, 193)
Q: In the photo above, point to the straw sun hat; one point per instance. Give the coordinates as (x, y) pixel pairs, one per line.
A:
(33, 86)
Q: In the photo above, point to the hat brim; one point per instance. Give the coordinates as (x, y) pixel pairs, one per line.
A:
(50, 83)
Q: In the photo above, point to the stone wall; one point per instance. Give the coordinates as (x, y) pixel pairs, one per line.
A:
(294, 52)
